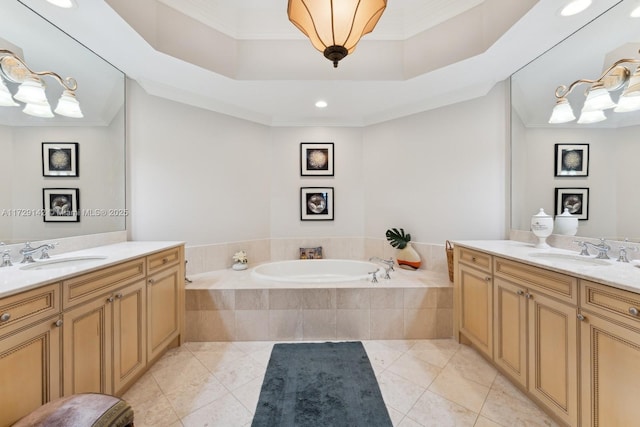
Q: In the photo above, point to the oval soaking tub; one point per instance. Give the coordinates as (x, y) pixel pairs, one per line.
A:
(317, 271)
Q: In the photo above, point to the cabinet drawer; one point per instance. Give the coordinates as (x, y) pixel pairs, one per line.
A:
(28, 307)
(610, 302)
(554, 284)
(474, 258)
(88, 286)
(162, 259)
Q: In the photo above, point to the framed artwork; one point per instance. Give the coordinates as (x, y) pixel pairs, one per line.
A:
(61, 204)
(574, 199)
(316, 203)
(316, 159)
(572, 160)
(60, 159)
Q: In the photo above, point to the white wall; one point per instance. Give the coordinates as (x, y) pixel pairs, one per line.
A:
(6, 159)
(195, 175)
(440, 174)
(206, 178)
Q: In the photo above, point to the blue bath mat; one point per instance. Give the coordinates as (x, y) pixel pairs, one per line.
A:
(320, 384)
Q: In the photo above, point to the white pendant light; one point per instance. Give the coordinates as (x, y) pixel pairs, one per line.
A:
(32, 92)
(591, 116)
(562, 112)
(627, 104)
(598, 98)
(38, 110)
(69, 106)
(6, 100)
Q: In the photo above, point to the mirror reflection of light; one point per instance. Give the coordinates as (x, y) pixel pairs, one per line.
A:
(321, 104)
(66, 4)
(575, 7)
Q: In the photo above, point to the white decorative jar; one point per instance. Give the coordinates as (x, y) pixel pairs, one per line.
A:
(566, 223)
(542, 227)
(240, 266)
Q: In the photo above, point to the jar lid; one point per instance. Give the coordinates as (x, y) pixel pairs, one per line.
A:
(541, 213)
(566, 213)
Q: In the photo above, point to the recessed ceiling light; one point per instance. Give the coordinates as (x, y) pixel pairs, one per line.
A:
(321, 104)
(635, 13)
(66, 4)
(574, 7)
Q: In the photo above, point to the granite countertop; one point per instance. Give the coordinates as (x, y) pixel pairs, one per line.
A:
(14, 280)
(610, 272)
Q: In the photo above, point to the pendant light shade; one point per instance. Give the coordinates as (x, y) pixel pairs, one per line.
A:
(562, 112)
(335, 26)
(598, 98)
(31, 91)
(6, 100)
(69, 106)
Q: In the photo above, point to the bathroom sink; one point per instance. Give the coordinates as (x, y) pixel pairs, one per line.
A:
(51, 264)
(570, 259)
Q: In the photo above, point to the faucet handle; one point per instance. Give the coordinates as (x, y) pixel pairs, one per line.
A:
(584, 248)
(6, 258)
(622, 255)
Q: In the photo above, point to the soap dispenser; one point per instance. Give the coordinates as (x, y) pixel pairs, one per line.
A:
(542, 227)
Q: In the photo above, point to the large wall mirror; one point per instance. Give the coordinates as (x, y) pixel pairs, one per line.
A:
(611, 172)
(99, 135)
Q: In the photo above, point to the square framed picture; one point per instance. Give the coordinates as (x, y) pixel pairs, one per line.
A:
(572, 160)
(60, 159)
(576, 200)
(61, 204)
(316, 203)
(316, 158)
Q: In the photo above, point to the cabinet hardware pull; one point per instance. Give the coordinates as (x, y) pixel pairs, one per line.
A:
(152, 281)
(165, 260)
(473, 259)
(633, 311)
(58, 323)
(5, 316)
(528, 295)
(580, 317)
(110, 299)
(118, 295)
(487, 278)
(520, 292)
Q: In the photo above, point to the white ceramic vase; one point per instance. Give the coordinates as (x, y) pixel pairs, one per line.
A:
(240, 266)
(566, 223)
(542, 227)
(408, 258)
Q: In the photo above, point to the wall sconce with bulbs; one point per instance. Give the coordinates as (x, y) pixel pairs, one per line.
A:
(32, 89)
(333, 27)
(616, 77)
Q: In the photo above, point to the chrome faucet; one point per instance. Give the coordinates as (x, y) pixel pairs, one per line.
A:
(601, 247)
(622, 254)
(6, 257)
(27, 252)
(387, 262)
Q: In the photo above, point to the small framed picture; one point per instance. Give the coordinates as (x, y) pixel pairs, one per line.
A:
(576, 200)
(316, 204)
(60, 159)
(316, 159)
(61, 204)
(311, 253)
(572, 160)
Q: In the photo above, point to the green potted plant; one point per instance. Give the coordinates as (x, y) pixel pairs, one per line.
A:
(406, 256)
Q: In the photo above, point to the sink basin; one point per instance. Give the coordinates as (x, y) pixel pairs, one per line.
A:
(570, 259)
(51, 264)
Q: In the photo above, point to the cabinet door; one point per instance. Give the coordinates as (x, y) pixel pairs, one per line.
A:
(129, 334)
(610, 373)
(29, 370)
(163, 311)
(510, 329)
(553, 357)
(87, 335)
(476, 316)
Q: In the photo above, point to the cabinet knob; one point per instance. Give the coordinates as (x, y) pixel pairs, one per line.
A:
(58, 323)
(165, 260)
(528, 295)
(5, 316)
(633, 311)
(580, 317)
(488, 278)
(520, 292)
(110, 299)
(118, 295)
(473, 259)
(152, 281)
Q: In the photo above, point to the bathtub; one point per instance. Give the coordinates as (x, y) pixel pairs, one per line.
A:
(317, 271)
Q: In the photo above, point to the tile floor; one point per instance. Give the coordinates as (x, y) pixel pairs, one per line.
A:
(423, 382)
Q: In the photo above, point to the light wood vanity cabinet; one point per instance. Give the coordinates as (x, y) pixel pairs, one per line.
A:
(29, 351)
(474, 296)
(610, 355)
(95, 332)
